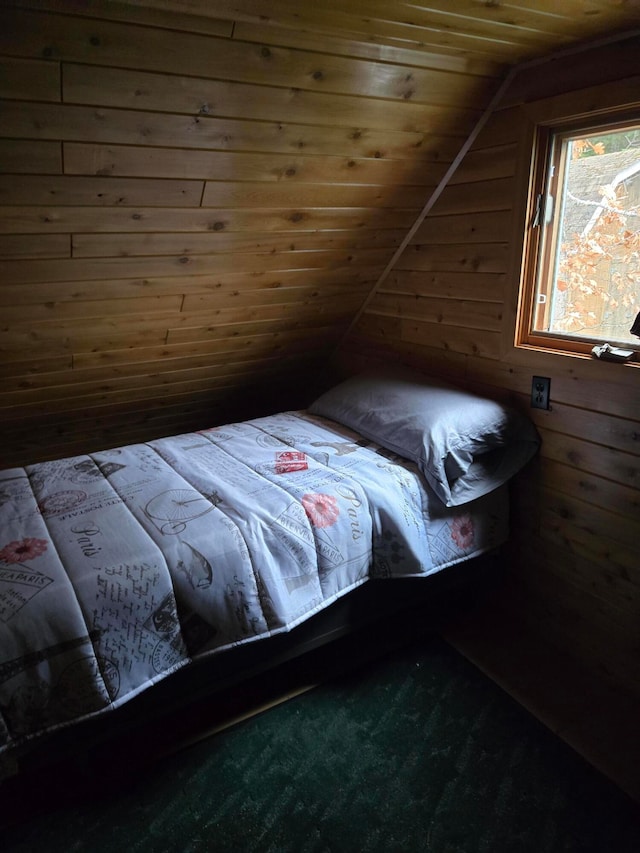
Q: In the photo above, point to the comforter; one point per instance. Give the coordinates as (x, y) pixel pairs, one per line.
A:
(119, 567)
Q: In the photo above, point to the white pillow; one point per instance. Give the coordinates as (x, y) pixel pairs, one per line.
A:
(465, 445)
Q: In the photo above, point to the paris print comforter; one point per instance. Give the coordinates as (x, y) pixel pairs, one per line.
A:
(119, 567)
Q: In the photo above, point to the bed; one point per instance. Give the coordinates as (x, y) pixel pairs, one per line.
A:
(120, 568)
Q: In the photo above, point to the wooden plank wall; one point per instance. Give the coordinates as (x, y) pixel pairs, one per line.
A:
(191, 206)
(448, 307)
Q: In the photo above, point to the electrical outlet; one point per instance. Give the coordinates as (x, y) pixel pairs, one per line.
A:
(540, 389)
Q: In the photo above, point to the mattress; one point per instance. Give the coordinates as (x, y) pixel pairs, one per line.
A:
(120, 567)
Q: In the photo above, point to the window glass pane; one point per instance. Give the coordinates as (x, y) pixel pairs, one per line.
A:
(589, 271)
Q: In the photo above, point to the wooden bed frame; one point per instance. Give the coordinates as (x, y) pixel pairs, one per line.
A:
(214, 692)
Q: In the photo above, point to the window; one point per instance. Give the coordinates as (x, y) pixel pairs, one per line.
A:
(582, 262)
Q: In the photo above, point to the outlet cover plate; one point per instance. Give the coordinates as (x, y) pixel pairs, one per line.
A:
(540, 391)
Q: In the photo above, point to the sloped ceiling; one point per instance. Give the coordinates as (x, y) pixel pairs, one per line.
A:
(482, 31)
(197, 196)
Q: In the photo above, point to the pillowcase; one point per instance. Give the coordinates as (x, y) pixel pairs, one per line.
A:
(465, 445)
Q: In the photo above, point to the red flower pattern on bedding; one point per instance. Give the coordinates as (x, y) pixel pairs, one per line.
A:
(321, 510)
(26, 549)
(462, 531)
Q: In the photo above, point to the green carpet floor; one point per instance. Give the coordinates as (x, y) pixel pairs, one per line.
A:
(417, 751)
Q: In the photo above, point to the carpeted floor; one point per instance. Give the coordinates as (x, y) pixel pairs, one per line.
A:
(417, 751)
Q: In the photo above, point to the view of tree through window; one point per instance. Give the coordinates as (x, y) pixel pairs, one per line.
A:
(589, 269)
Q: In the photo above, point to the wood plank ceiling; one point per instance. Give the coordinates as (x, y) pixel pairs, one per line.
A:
(197, 196)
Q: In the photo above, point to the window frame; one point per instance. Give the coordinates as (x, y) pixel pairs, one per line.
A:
(535, 248)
